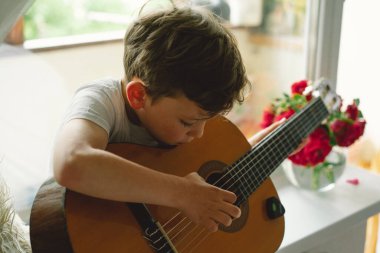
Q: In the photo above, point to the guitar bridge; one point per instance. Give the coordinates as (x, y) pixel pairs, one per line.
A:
(153, 233)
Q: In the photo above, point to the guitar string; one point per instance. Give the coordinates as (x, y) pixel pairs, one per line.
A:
(193, 240)
(253, 163)
(182, 220)
(190, 221)
(176, 233)
(265, 150)
(188, 232)
(199, 241)
(166, 224)
(249, 163)
(242, 160)
(182, 240)
(235, 166)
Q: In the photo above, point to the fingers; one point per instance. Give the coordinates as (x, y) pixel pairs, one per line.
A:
(225, 212)
(223, 216)
(264, 132)
(229, 207)
(270, 128)
(228, 196)
(208, 205)
(212, 226)
(301, 146)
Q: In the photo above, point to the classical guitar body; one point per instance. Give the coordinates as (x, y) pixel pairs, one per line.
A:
(65, 221)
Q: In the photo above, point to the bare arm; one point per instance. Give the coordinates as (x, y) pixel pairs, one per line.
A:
(82, 164)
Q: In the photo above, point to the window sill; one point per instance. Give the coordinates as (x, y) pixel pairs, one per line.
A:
(38, 45)
(278, 41)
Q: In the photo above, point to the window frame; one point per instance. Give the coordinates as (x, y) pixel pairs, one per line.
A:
(322, 39)
(323, 32)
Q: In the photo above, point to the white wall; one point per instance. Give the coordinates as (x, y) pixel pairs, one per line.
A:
(359, 67)
(359, 61)
(78, 65)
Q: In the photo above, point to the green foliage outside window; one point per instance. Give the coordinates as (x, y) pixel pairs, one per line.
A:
(56, 18)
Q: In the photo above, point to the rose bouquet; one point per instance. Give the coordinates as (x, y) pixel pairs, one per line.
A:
(342, 128)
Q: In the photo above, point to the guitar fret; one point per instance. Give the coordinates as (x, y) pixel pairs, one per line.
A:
(256, 165)
(245, 191)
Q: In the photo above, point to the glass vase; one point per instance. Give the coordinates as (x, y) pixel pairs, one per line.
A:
(321, 177)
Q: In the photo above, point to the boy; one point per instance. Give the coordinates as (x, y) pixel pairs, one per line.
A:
(182, 67)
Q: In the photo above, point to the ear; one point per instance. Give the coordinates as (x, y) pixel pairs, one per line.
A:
(136, 94)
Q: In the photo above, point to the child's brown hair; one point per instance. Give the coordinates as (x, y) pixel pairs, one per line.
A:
(186, 51)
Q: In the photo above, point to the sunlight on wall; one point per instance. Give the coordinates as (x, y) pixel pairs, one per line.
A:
(32, 101)
(358, 76)
(358, 73)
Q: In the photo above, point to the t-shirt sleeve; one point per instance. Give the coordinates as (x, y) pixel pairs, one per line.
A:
(94, 105)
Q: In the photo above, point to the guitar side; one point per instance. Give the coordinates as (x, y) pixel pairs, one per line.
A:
(95, 225)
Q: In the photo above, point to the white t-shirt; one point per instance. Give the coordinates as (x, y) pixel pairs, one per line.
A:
(102, 102)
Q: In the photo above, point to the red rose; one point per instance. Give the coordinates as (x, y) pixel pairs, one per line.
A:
(321, 133)
(299, 87)
(299, 158)
(316, 149)
(345, 133)
(309, 97)
(268, 117)
(314, 152)
(359, 127)
(357, 130)
(341, 131)
(286, 114)
(352, 111)
(341, 128)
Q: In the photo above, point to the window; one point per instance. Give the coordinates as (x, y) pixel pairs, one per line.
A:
(51, 23)
(57, 18)
(295, 40)
(281, 41)
(274, 54)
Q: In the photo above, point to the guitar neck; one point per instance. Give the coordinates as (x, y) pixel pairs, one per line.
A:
(259, 163)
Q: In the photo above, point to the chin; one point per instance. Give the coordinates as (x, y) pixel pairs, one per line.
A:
(171, 143)
(166, 144)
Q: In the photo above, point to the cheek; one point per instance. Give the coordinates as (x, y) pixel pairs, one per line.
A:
(166, 128)
(170, 133)
(174, 132)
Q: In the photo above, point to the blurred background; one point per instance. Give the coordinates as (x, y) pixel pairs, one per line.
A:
(49, 48)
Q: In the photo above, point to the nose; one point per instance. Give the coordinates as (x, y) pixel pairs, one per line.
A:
(197, 130)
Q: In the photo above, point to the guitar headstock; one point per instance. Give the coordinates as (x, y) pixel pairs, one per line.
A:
(322, 89)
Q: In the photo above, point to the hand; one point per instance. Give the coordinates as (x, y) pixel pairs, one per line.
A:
(301, 146)
(206, 204)
(264, 132)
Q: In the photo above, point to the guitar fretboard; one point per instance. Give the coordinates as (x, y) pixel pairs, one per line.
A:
(247, 173)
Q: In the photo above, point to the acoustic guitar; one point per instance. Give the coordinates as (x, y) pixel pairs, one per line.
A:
(66, 221)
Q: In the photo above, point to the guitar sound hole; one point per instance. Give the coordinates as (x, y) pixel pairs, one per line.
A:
(214, 172)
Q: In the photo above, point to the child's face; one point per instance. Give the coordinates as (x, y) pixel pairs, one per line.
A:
(173, 120)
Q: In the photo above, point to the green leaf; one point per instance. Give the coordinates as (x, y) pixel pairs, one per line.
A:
(329, 172)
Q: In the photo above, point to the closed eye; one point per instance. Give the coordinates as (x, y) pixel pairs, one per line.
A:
(186, 124)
